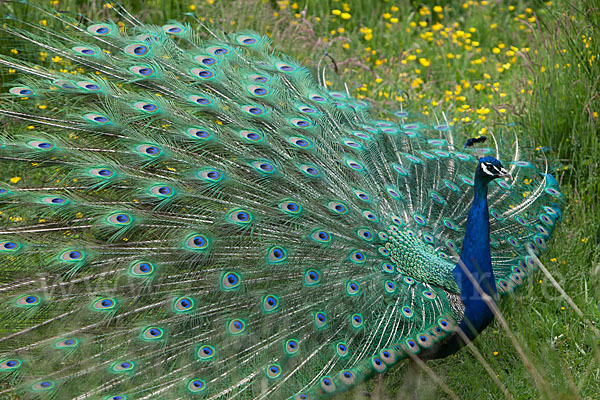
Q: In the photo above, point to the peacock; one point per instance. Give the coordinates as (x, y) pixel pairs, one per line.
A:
(193, 214)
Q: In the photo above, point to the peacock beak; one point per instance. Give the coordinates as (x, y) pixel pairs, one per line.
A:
(504, 173)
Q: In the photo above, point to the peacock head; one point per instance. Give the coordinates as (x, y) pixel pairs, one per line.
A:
(489, 169)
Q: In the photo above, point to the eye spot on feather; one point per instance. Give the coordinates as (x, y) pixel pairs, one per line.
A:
(240, 217)
(429, 239)
(100, 29)
(137, 50)
(352, 288)
(291, 346)
(273, 371)
(356, 320)
(196, 386)
(203, 74)
(122, 366)
(387, 268)
(290, 207)
(355, 165)
(388, 356)
(300, 123)
(364, 196)
(389, 286)
(72, 256)
(21, 91)
(146, 107)
(173, 29)
(119, 219)
(10, 364)
(205, 352)
(41, 145)
(101, 172)
(247, 40)
(317, 98)
(320, 319)
(9, 246)
(338, 95)
(84, 50)
(352, 144)
(200, 100)
(321, 236)
(183, 304)
(199, 133)
(448, 223)
(337, 207)
(365, 234)
(300, 142)
(310, 170)
(210, 175)
(327, 384)
(259, 91)
(97, 118)
(89, 86)
(42, 386)
(205, 60)
(230, 281)
(236, 326)
(152, 333)
(285, 67)
(377, 364)
(149, 150)
(104, 304)
(357, 257)
(312, 277)
(347, 377)
(408, 312)
(197, 242)
(369, 215)
(251, 136)
(276, 254)
(161, 191)
(270, 303)
(29, 300)
(218, 50)
(254, 110)
(141, 269)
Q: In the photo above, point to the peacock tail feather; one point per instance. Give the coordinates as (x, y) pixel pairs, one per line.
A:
(198, 216)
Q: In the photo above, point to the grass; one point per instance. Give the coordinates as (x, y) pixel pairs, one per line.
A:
(486, 63)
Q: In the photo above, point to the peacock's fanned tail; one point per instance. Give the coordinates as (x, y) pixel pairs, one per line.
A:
(196, 215)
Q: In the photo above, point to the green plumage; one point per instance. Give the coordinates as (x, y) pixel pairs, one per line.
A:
(197, 215)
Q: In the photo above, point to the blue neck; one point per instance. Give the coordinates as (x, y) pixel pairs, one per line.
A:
(475, 255)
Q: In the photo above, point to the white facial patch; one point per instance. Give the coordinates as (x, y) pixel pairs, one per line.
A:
(489, 169)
